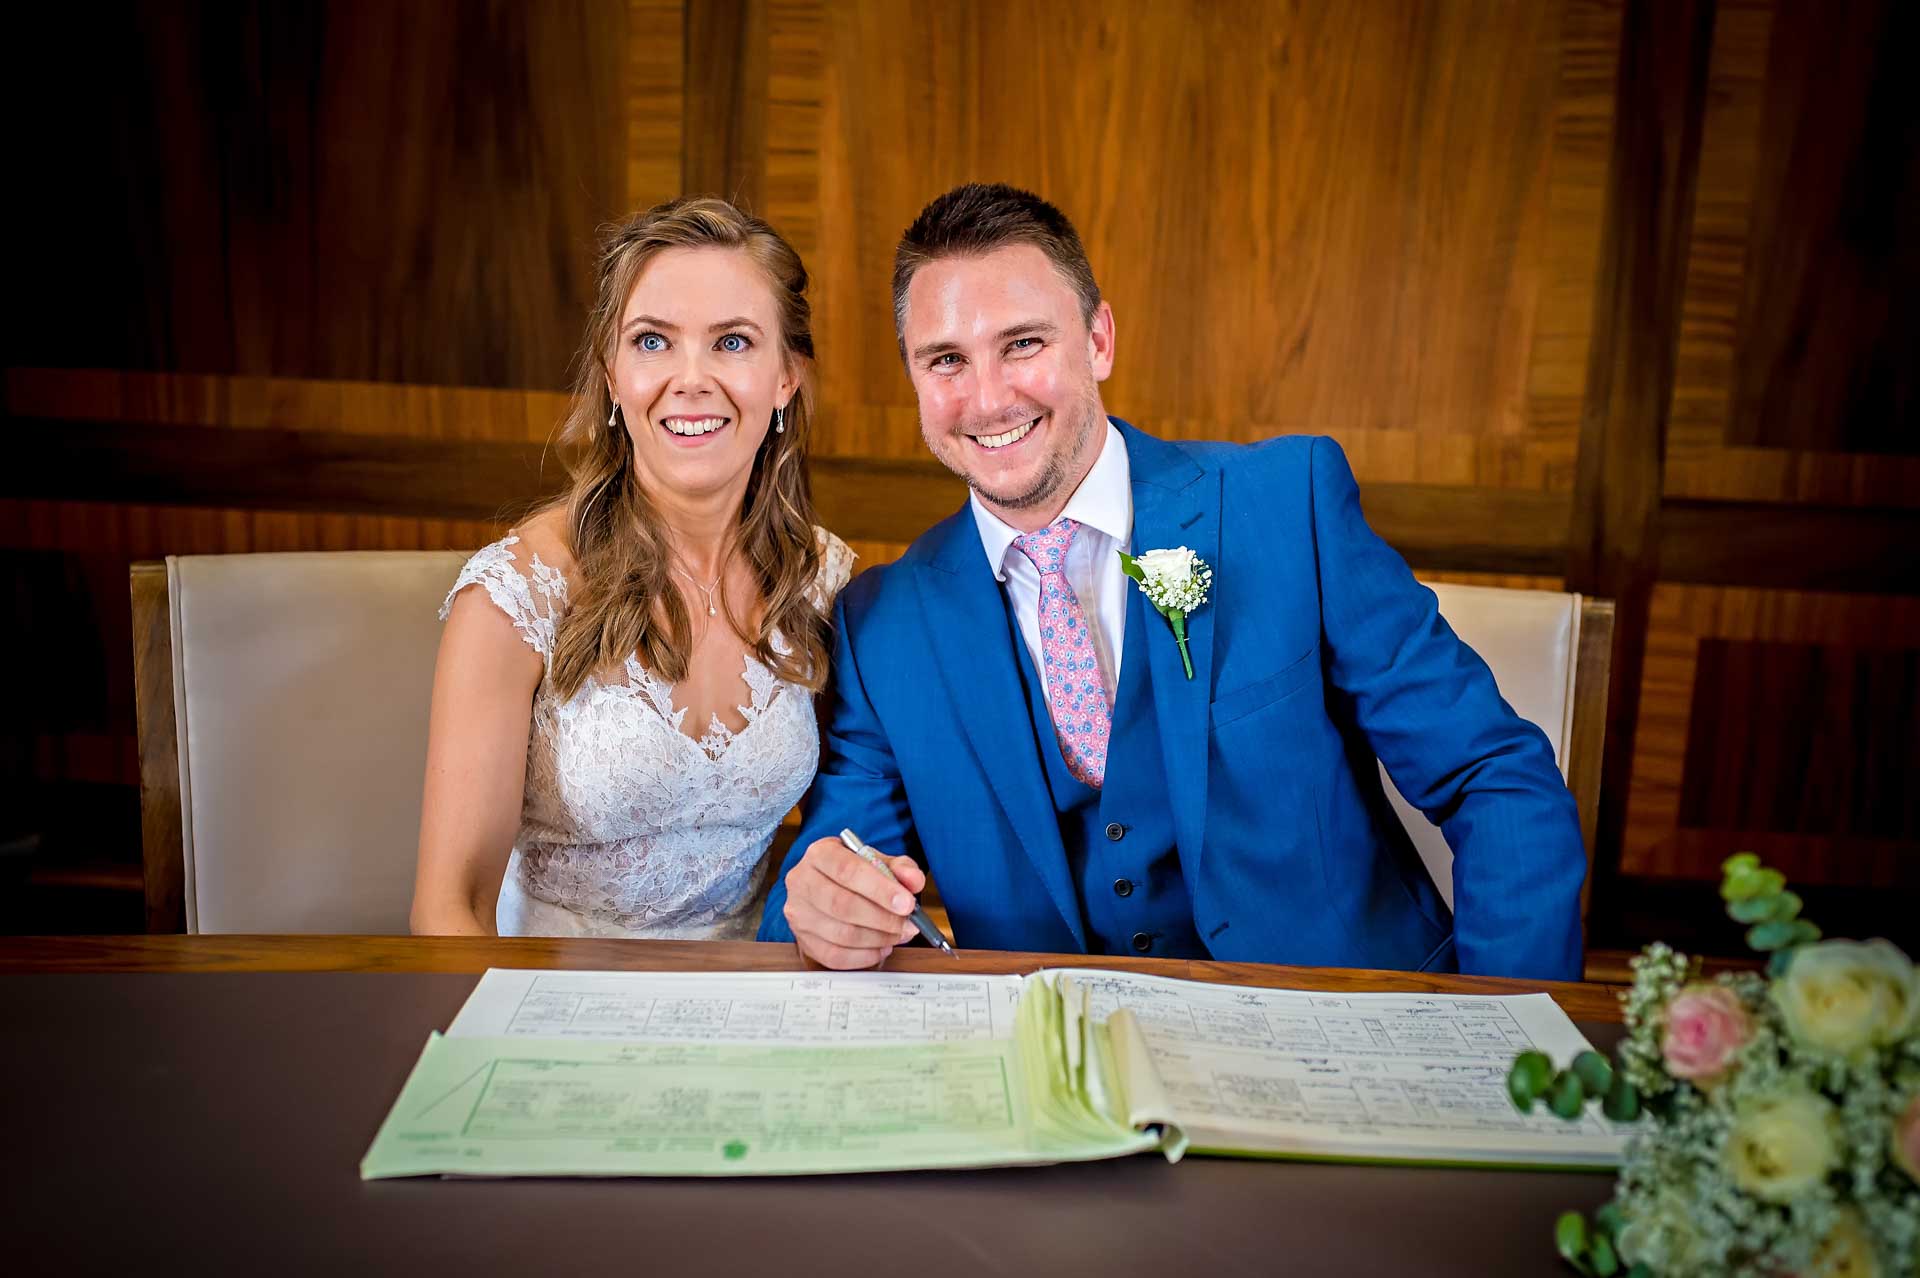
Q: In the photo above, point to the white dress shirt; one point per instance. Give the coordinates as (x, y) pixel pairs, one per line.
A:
(1103, 507)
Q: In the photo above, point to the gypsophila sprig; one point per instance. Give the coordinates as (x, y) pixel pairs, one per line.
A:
(1175, 582)
(1783, 1132)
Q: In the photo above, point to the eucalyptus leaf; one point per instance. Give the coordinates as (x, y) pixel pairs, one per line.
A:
(1594, 1073)
(1567, 1098)
(1771, 936)
(1528, 1079)
(1740, 861)
(1570, 1238)
(1750, 883)
(1754, 909)
(1622, 1101)
(1605, 1263)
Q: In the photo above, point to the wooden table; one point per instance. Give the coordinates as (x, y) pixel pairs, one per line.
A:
(144, 1132)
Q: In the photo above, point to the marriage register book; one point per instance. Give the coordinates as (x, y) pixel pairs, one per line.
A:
(547, 1073)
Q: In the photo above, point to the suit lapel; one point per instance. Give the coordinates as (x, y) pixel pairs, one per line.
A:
(1177, 503)
(972, 650)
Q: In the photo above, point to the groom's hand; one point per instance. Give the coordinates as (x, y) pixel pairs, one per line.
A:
(845, 913)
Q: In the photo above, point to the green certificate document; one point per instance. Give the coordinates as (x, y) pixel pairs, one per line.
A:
(531, 1106)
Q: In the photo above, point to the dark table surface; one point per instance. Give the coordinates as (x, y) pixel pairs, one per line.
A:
(213, 1123)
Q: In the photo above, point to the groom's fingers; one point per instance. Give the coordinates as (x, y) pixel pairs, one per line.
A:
(908, 873)
(860, 879)
(807, 919)
(841, 960)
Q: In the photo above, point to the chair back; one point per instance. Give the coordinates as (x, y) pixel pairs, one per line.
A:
(297, 694)
(1549, 652)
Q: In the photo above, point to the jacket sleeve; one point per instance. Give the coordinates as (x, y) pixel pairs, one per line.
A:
(858, 786)
(1432, 713)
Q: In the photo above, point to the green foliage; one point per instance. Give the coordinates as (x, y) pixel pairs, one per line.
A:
(1758, 896)
(1594, 1072)
(1528, 1079)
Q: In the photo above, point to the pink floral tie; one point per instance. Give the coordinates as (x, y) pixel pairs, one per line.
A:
(1076, 695)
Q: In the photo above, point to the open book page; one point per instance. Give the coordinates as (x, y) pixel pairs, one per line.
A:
(1403, 1077)
(738, 1007)
(676, 1103)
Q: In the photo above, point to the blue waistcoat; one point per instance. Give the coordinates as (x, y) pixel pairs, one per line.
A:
(1133, 899)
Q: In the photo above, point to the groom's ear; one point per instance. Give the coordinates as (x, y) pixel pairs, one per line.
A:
(1100, 342)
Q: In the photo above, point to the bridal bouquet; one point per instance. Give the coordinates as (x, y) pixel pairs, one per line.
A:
(1781, 1132)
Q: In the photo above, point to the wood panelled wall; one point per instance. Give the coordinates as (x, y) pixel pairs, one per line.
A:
(1605, 294)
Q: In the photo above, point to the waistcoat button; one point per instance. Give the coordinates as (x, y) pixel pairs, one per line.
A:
(1116, 831)
(1122, 888)
(1142, 942)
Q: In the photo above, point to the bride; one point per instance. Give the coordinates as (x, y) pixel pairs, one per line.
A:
(623, 702)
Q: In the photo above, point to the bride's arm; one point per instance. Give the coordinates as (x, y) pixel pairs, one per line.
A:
(483, 687)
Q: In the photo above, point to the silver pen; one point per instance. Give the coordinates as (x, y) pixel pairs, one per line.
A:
(919, 916)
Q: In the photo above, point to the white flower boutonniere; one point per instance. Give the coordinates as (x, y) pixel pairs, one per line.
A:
(1175, 582)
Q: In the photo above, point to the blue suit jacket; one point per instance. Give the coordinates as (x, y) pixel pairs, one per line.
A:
(1317, 651)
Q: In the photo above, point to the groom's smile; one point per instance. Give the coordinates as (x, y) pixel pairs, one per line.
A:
(1007, 372)
(1007, 439)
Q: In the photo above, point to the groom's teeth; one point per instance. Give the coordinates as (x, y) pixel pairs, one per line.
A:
(695, 425)
(1001, 441)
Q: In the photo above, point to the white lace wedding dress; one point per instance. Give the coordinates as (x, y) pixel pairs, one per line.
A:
(630, 827)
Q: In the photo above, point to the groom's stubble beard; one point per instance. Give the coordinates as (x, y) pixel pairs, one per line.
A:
(1054, 474)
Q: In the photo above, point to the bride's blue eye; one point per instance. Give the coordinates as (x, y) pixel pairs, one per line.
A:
(735, 343)
(651, 342)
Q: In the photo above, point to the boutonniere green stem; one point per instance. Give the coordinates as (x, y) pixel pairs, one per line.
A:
(1175, 582)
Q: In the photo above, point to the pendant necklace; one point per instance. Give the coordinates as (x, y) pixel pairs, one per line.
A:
(712, 609)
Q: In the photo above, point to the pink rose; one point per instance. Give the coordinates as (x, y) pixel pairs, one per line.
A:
(1706, 1025)
(1906, 1138)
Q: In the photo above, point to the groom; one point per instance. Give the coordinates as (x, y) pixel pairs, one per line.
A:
(1008, 710)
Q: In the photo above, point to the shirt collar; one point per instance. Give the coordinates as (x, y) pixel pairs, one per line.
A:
(1102, 502)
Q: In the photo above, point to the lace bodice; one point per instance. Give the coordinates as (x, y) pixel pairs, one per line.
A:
(630, 826)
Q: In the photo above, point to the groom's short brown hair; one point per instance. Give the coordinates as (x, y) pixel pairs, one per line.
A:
(978, 218)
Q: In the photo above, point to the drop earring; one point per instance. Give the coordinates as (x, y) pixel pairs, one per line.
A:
(613, 418)
(780, 420)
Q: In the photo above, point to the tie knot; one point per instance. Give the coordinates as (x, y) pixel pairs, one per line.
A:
(1047, 547)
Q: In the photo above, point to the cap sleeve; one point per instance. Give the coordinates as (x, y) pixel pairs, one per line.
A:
(530, 592)
(836, 569)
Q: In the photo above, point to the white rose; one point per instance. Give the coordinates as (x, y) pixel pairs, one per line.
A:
(1782, 1146)
(1847, 997)
(1168, 567)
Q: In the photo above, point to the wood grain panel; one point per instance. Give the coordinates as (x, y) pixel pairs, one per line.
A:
(1828, 354)
(1757, 79)
(1324, 239)
(163, 851)
(1613, 549)
(1845, 767)
(1655, 842)
(350, 190)
(725, 79)
(655, 102)
(1791, 546)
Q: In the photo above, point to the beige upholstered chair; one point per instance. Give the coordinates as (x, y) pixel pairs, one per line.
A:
(1550, 654)
(283, 733)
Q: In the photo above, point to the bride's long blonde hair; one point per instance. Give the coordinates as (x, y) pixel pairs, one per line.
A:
(622, 596)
